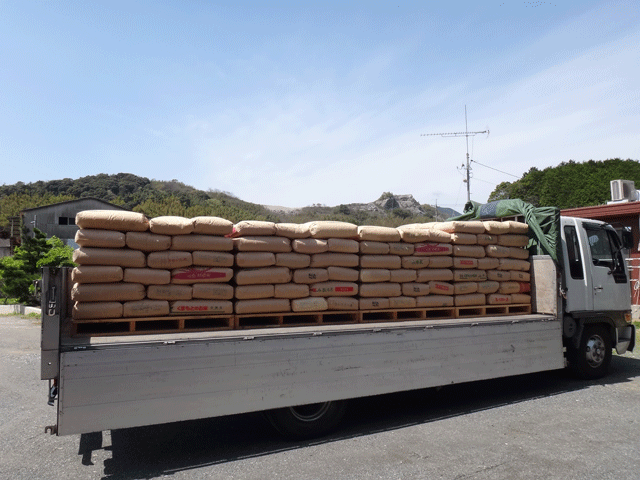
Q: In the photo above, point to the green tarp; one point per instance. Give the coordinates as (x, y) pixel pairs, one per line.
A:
(544, 223)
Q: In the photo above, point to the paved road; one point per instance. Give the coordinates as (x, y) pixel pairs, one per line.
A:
(530, 427)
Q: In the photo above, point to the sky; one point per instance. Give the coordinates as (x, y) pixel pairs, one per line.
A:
(301, 103)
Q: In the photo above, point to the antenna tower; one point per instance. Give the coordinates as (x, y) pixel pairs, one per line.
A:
(466, 134)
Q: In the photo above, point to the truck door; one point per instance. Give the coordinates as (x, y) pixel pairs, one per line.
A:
(608, 270)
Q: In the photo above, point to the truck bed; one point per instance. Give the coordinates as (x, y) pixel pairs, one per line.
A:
(118, 382)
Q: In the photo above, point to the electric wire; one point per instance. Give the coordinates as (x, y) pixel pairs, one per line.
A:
(487, 166)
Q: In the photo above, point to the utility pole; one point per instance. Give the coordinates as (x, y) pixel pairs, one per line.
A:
(466, 134)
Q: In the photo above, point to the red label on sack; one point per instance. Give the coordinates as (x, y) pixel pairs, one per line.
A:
(466, 262)
(198, 273)
(525, 287)
(431, 248)
(343, 289)
(442, 287)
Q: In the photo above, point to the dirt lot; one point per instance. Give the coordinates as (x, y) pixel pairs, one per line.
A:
(528, 427)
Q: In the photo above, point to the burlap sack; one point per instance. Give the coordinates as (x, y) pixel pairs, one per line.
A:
(112, 220)
(148, 242)
(438, 274)
(402, 302)
(378, 234)
(390, 262)
(401, 248)
(262, 244)
(464, 262)
(414, 263)
(342, 274)
(109, 256)
(267, 305)
(380, 290)
(332, 229)
(520, 298)
(209, 307)
(465, 288)
(497, 251)
(415, 289)
(440, 262)
(498, 299)
(403, 275)
(469, 275)
(212, 226)
(204, 258)
(518, 253)
(488, 263)
(511, 264)
(292, 230)
(440, 288)
(496, 228)
(255, 259)
(471, 299)
(416, 234)
(320, 260)
(310, 245)
(190, 275)
(433, 249)
(374, 303)
(498, 275)
(488, 286)
(253, 292)
(212, 291)
(253, 228)
(343, 245)
(374, 275)
(96, 274)
(169, 292)
(190, 243)
(169, 259)
(310, 275)
(434, 301)
(519, 276)
(310, 304)
(291, 290)
(96, 310)
(100, 238)
(145, 308)
(266, 275)
(475, 251)
(107, 292)
(171, 225)
(293, 260)
(374, 248)
(512, 240)
(486, 239)
(518, 227)
(342, 303)
(147, 276)
(469, 226)
(464, 239)
(333, 289)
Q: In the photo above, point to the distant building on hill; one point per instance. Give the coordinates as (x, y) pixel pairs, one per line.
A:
(59, 219)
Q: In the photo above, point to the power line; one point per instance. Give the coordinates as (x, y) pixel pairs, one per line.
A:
(487, 166)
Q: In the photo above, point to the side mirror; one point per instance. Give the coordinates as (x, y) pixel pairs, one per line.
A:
(627, 238)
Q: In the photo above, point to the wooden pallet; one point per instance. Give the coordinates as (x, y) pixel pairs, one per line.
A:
(404, 314)
(261, 320)
(149, 325)
(492, 310)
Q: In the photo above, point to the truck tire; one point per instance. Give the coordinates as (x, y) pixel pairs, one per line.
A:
(307, 421)
(591, 359)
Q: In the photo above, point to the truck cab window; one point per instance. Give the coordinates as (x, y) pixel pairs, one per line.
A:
(606, 252)
(573, 250)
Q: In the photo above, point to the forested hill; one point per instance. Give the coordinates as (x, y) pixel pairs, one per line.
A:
(570, 184)
(155, 198)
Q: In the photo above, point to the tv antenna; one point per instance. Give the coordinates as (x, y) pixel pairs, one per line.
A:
(466, 134)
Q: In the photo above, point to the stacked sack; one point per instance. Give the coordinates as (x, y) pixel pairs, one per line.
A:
(129, 266)
(282, 267)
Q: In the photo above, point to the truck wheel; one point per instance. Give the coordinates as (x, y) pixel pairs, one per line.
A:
(307, 421)
(592, 358)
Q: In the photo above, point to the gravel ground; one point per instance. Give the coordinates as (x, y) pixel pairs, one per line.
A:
(529, 427)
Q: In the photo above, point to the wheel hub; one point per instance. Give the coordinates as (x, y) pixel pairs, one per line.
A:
(595, 351)
(310, 413)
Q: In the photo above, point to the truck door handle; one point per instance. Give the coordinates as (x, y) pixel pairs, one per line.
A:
(598, 288)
